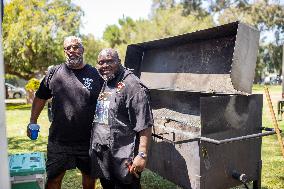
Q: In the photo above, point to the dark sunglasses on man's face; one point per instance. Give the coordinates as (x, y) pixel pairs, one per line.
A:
(74, 47)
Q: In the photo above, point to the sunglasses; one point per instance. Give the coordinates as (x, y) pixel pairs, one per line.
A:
(74, 47)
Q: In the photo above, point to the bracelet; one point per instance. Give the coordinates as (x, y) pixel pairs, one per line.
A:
(142, 155)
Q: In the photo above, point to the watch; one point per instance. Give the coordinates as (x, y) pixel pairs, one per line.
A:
(142, 155)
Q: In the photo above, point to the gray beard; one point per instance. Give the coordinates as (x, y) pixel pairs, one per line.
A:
(74, 63)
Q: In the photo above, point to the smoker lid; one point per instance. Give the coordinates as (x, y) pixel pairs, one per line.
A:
(216, 60)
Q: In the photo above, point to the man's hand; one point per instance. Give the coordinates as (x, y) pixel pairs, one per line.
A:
(28, 131)
(138, 165)
(37, 106)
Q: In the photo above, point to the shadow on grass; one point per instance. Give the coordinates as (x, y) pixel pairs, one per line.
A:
(18, 106)
(24, 144)
(151, 180)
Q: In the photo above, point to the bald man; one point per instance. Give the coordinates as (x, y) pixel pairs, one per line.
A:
(74, 87)
(122, 130)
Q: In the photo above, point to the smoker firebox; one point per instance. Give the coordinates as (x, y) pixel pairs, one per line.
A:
(207, 131)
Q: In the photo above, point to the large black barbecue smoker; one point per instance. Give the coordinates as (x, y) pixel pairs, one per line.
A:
(208, 127)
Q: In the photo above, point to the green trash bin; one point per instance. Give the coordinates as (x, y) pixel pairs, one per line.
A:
(27, 170)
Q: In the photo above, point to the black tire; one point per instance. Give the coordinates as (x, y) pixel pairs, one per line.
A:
(17, 95)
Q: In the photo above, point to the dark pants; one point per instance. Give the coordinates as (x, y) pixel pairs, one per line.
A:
(114, 184)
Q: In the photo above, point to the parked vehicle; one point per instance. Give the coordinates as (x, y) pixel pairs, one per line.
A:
(272, 80)
(14, 92)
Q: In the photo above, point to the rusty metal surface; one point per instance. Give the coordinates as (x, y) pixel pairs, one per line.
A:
(205, 166)
(201, 164)
(231, 116)
(179, 101)
(244, 60)
(197, 81)
(203, 61)
(218, 162)
(179, 164)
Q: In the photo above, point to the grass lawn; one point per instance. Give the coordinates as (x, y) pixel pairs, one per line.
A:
(17, 117)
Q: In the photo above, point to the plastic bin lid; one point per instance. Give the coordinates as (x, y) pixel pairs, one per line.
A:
(27, 164)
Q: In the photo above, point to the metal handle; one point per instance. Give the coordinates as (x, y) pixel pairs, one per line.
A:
(269, 131)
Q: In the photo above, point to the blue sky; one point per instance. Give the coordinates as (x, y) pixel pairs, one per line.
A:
(100, 13)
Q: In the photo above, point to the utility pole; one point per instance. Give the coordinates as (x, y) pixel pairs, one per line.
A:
(4, 168)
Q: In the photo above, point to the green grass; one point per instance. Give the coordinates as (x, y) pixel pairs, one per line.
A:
(17, 117)
(272, 159)
(272, 88)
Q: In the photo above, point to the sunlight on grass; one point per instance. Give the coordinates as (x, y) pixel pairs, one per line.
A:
(17, 119)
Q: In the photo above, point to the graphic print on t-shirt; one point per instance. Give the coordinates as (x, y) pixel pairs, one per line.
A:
(87, 83)
(102, 107)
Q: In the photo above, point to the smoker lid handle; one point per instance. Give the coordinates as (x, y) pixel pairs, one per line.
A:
(268, 131)
(251, 136)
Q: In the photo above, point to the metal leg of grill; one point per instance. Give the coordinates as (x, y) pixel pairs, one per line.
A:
(257, 183)
(280, 109)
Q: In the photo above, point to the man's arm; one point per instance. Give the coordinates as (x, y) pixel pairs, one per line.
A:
(37, 106)
(142, 114)
(139, 161)
(145, 140)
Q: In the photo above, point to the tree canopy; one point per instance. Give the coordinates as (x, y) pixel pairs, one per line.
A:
(92, 48)
(33, 32)
(163, 23)
(170, 17)
(268, 17)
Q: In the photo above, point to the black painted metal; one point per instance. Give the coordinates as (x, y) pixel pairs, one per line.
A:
(205, 128)
(219, 60)
(191, 158)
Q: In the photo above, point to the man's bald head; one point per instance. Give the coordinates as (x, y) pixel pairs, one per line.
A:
(108, 63)
(110, 54)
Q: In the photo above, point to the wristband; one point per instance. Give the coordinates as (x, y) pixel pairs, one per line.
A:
(142, 155)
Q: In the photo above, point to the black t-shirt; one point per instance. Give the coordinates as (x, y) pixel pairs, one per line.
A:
(74, 96)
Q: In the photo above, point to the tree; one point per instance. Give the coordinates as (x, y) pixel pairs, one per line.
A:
(33, 33)
(163, 23)
(112, 35)
(263, 14)
(267, 16)
(162, 4)
(193, 7)
(92, 48)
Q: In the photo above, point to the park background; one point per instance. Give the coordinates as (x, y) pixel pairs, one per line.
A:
(33, 32)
